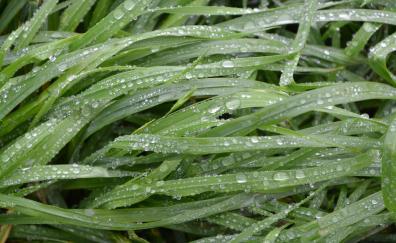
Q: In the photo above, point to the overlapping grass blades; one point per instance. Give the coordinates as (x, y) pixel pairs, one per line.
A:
(217, 121)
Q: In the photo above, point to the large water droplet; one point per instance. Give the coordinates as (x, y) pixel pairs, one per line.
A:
(129, 4)
(228, 64)
(214, 109)
(118, 14)
(241, 178)
(281, 176)
(300, 174)
(89, 212)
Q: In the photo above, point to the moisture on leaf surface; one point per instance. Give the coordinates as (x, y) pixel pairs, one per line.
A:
(197, 121)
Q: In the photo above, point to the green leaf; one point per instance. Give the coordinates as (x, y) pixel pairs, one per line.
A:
(388, 167)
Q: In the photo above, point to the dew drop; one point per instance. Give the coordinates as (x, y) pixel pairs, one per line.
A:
(367, 27)
(129, 4)
(241, 178)
(365, 116)
(188, 76)
(118, 14)
(228, 64)
(89, 212)
(214, 109)
(281, 176)
(300, 174)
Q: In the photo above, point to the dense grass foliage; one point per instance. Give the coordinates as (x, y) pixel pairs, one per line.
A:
(197, 120)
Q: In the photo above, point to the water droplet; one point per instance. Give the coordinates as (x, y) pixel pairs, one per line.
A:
(129, 4)
(89, 212)
(281, 176)
(214, 109)
(241, 178)
(95, 104)
(228, 64)
(368, 27)
(365, 116)
(118, 14)
(300, 174)
(188, 76)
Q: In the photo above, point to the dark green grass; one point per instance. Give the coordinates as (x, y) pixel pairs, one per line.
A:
(197, 120)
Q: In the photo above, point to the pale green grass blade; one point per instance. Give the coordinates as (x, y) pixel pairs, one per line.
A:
(361, 38)
(112, 23)
(378, 57)
(31, 27)
(299, 42)
(74, 14)
(388, 168)
(255, 181)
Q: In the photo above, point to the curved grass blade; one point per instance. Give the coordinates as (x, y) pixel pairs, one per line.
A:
(74, 13)
(30, 28)
(388, 167)
(291, 15)
(299, 42)
(255, 181)
(189, 145)
(361, 38)
(299, 104)
(112, 23)
(337, 220)
(259, 226)
(100, 10)
(99, 218)
(378, 58)
(54, 172)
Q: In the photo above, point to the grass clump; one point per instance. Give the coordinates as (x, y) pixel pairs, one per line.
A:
(203, 121)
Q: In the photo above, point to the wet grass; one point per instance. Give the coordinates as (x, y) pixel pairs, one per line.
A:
(204, 121)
